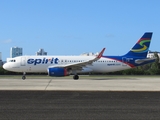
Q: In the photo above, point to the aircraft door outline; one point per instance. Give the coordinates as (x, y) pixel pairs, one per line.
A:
(124, 61)
(23, 61)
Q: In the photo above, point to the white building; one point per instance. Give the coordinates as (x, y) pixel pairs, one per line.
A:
(89, 54)
(151, 55)
(41, 52)
(16, 51)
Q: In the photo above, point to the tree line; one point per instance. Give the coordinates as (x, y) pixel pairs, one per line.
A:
(148, 69)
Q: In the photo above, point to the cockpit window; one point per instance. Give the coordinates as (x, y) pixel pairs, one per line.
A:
(12, 60)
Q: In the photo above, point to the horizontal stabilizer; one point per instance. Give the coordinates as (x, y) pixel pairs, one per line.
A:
(140, 61)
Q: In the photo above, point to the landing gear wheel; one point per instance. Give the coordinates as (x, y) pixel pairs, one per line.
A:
(75, 77)
(23, 77)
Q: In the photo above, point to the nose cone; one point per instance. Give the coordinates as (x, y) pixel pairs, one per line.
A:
(6, 66)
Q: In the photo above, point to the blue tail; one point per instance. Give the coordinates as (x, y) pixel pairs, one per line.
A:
(141, 48)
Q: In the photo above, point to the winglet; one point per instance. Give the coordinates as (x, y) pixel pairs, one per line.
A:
(101, 53)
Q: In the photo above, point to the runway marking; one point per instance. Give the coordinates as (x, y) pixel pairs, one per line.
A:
(48, 84)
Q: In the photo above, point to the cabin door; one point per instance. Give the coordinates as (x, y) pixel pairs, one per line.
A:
(124, 61)
(23, 61)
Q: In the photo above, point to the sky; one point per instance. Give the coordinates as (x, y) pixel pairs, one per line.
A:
(73, 27)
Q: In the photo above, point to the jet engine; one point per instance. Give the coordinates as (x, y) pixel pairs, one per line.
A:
(57, 72)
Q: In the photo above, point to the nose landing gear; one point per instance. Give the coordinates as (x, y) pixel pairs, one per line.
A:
(24, 76)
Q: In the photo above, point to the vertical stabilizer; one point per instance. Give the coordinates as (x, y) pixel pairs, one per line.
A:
(141, 48)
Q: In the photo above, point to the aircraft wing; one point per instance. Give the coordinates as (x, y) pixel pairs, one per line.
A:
(79, 65)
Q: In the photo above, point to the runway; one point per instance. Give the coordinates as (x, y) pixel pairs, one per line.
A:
(128, 98)
(77, 105)
(89, 84)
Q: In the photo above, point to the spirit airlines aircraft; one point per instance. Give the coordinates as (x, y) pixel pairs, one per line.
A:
(66, 65)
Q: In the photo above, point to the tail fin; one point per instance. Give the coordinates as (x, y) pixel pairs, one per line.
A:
(141, 48)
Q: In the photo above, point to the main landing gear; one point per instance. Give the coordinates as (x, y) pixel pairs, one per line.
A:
(24, 76)
(75, 77)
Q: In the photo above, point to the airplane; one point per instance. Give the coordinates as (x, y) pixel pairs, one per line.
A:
(66, 65)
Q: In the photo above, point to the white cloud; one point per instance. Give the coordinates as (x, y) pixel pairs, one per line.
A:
(8, 41)
(110, 36)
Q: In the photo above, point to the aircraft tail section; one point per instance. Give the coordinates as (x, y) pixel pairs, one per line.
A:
(140, 49)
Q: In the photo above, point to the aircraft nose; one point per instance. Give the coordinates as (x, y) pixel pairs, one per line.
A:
(5, 66)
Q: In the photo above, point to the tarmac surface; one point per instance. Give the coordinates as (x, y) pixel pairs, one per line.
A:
(94, 99)
(77, 105)
(89, 84)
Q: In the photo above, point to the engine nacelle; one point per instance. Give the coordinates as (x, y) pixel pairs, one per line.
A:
(57, 72)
